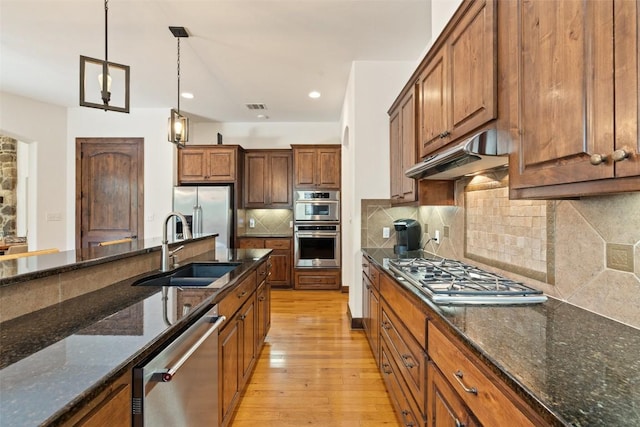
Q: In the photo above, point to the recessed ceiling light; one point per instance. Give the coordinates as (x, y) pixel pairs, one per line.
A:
(263, 116)
(314, 94)
(187, 95)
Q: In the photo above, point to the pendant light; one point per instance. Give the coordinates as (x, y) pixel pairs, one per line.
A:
(93, 71)
(178, 124)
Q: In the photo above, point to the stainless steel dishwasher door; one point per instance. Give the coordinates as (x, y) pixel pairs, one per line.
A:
(179, 386)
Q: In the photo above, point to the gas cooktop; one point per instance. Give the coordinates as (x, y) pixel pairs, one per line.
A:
(447, 281)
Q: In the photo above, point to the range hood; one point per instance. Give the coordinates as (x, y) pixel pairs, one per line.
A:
(475, 154)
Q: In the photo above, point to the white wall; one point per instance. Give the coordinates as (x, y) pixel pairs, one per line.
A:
(262, 135)
(44, 128)
(373, 86)
(159, 158)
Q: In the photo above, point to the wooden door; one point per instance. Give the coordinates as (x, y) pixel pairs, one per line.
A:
(472, 58)
(109, 189)
(408, 147)
(256, 180)
(328, 164)
(228, 369)
(565, 64)
(445, 407)
(305, 165)
(434, 100)
(281, 179)
(395, 155)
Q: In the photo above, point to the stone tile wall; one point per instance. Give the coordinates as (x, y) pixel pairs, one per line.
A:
(585, 252)
(8, 181)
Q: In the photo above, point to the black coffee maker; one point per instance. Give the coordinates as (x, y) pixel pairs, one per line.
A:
(407, 235)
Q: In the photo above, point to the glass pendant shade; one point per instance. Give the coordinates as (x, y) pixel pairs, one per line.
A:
(178, 128)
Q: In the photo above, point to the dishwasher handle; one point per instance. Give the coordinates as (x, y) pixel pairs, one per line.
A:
(168, 375)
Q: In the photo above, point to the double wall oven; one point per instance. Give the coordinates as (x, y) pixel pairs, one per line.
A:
(317, 229)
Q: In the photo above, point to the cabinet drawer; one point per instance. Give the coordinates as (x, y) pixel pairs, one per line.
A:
(374, 276)
(488, 403)
(316, 279)
(366, 266)
(404, 405)
(232, 302)
(414, 319)
(277, 243)
(407, 353)
(251, 243)
(262, 271)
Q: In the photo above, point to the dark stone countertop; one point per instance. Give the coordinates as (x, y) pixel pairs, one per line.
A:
(29, 268)
(575, 367)
(55, 360)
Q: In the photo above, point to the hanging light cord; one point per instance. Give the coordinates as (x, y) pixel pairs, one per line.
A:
(178, 75)
(106, 9)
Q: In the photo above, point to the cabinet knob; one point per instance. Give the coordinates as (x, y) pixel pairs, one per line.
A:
(620, 155)
(597, 159)
(444, 134)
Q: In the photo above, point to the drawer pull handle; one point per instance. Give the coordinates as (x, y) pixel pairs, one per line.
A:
(385, 369)
(459, 423)
(385, 325)
(407, 360)
(405, 421)
(240, 295)
(458, 376)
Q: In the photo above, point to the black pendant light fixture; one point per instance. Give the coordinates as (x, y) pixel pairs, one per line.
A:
(178, 124)
(96, 91)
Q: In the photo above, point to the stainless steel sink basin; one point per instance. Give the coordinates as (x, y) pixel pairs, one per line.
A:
(205, 270)
(192, 275)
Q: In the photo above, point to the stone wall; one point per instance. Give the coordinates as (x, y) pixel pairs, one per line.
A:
(8, 181)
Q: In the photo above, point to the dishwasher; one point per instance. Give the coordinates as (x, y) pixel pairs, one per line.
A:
(179, 385)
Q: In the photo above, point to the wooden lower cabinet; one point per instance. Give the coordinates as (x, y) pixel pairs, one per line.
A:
(240, 340)
(406, 408)
(280, 259)
(112, 407)
(485, 395)
(371, 310)
(445, 407)
(317, 278)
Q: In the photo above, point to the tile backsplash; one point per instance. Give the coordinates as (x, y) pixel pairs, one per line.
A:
(584, 251)
(265, 222)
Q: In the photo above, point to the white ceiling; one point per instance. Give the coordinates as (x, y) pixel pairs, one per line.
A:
(239, 51)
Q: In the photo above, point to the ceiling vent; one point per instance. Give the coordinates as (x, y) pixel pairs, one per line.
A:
(256, 106)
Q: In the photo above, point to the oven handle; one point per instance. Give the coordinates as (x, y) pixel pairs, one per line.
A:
(168, 376)
(317, 234)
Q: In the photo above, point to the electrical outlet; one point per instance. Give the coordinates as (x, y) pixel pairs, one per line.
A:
(436, 236)
(290, 224)
(385, 232)
(252, 223)
(54, 216)
(446, 231)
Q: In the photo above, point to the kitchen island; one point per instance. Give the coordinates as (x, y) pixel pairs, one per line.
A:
(568, 365)
(57, 359)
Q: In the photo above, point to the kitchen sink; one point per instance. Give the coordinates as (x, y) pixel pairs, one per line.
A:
(192, 275)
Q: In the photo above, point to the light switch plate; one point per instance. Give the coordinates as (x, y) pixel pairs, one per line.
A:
(252, 223)
(385, 232)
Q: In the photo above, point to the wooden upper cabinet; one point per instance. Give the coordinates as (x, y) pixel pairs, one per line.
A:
(402, 139)
(458, 83)
(268, 179)
(208, 164)
(577, 104)
(316, 166)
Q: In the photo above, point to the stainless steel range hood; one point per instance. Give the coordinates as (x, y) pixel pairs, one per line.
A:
(475, 154)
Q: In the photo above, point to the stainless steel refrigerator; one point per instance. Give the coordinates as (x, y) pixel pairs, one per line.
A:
(212, 205)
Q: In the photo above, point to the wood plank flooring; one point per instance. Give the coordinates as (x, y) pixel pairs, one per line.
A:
(314, 370)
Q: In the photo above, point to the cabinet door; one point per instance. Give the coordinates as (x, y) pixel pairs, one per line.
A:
(280, 180)
(445, 408)
(395, 155)
(408, 147)
(264, 312)
(192, 165)
(627, 82)
(374, 314)
(305, 166)
(328, 168)
(228, 370)
(114, 411)
(565, 92)
(473, 62)
(434, 104)
(247, 324)
(280, 268)
(256, 180)
(222, 164)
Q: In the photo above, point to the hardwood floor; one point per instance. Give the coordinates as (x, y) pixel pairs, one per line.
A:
(314, 370)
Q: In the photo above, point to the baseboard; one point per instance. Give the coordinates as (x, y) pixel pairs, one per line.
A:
(356, 322)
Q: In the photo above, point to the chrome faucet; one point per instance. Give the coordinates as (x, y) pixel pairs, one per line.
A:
(165, 265)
